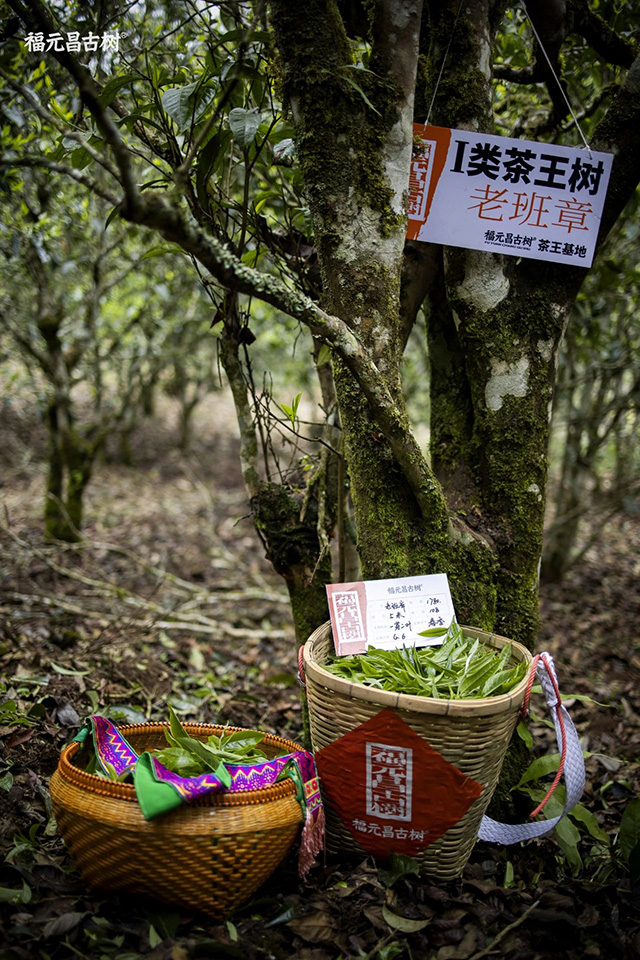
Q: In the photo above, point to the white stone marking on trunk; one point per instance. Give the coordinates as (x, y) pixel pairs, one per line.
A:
(485, 285)
(507, 380)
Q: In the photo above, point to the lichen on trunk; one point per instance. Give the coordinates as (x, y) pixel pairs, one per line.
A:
(291, 542)
(355, 159)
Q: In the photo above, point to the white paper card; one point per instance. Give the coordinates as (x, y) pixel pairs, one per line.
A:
(526, 199)
(389, 613)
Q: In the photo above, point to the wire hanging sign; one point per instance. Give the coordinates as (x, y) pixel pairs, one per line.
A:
(523, 198)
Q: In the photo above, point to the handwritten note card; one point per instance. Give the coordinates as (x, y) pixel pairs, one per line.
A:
(388, 613)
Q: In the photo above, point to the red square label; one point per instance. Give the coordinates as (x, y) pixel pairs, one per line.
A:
(392, 791)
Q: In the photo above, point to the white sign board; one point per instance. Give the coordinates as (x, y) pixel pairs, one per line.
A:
(388, 613)
(502, 195)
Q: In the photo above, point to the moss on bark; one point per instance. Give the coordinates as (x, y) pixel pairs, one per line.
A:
(463, 97)
(509, 344)
(293, 547)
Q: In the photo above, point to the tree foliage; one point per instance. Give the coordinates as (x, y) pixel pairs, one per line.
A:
(95, 324)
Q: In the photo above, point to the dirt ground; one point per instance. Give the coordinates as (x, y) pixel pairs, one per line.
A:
(171, 601)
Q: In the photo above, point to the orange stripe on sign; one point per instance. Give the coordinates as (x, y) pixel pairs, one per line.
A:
(426, 169)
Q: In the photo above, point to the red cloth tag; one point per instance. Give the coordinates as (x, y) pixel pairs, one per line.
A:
(392, 791)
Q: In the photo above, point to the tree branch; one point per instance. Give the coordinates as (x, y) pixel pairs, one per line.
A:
(534, 74)
(26, 345)
(246, 426)
(617, 133)
(168, 220)
(35, 161)
(599, 35)
(34, 14)
(46, 115)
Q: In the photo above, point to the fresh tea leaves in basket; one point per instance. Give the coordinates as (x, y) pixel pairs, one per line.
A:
(189, 757)
(460, 669)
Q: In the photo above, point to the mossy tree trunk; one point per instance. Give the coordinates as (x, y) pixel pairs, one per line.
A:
(355, 160)
(293, 519)
(72, 450)
(54, 520)
(71, 458)
(494, 325)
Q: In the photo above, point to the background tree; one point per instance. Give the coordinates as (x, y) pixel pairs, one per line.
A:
(91, 325)
(198, 146)
(596, 410)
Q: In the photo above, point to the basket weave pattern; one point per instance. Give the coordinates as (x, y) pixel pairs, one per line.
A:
(471, 734)
(209, 856)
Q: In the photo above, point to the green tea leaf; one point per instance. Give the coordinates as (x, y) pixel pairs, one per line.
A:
(582, 815)
(242, 739)
(178, 732)
(401, 923)
(185, 105)
(460, 668)
(244, 125)
(541, 767)
(188, 756)
(629, 835)
(180, 761)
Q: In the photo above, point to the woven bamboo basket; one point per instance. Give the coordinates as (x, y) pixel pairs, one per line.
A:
(209, 855)
(473, 735)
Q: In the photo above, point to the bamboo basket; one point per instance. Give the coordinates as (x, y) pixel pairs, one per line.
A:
(473, 735)
(209, 855)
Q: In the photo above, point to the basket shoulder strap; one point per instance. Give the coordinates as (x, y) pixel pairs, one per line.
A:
(571, 764)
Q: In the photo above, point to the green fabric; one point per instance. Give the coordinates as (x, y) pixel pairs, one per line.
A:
(292, 772)
(154, 797)
(82, 733)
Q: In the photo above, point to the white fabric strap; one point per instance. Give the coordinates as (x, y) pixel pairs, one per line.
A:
(573, 771)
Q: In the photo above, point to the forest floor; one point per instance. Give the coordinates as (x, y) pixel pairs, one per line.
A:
(169, 600)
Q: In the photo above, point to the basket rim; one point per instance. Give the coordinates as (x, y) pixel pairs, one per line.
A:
(123, 791)
(410, 702)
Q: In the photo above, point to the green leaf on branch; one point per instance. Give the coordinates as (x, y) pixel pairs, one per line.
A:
(161, 249)
(208, 160)
(629, 836)
(244, 125)
(291, 411)
(284, 152)
(324, 355)
(113, 87)
(185, 105)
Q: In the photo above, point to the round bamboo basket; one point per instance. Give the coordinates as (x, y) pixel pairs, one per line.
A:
(473, 735)
(210, 855)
